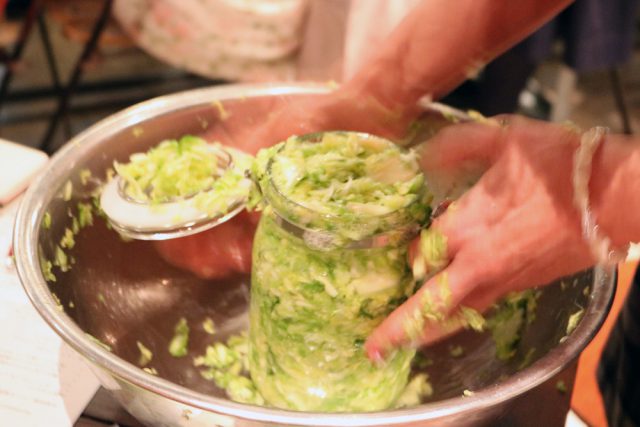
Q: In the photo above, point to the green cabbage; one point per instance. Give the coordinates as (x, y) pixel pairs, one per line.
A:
(347, 184)
(174, 169)
(311, 312)
(178, 347)
(314, 305)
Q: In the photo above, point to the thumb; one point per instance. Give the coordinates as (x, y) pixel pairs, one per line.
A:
(460, 146)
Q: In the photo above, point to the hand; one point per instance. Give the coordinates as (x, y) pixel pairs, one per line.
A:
(256, 123)
(216, 253)
(514, 229)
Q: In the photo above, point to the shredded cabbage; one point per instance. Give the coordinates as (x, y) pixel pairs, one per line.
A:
(178, 347)
(145, 354)
(349, 184)
(174, 169)
(227, 365)
(313, 305)
(508, 323)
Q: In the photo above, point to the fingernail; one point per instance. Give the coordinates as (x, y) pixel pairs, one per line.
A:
(380, 356)
(441, 208)
(376, 357)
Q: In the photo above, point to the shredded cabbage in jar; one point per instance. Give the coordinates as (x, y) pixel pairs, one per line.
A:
(351, 185)
(313, 305)
(344, 174)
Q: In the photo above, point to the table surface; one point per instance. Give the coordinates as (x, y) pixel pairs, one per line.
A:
(43, 382)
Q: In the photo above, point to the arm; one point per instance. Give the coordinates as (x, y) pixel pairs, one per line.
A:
(430, 52)
(435, 48)
(441, 43)
(615, 188)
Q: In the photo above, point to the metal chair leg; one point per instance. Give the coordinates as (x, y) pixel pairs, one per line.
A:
(15, 55)
(63, 102)
(618, 96)
(52, 64)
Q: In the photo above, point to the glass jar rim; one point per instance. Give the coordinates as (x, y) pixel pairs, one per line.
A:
(331, 225)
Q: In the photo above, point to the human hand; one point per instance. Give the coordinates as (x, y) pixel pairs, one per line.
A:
(215, 253)
(255, 123)
(514, 229)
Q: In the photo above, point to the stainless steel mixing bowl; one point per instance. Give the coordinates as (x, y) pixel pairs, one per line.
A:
(122, 292)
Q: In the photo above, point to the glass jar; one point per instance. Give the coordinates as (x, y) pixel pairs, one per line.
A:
(320, 284)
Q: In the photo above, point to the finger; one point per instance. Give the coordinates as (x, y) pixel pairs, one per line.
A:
(469, 218)
(214, 253)
(480, 300)
(462, 144)
(446, 227)
(430, 306)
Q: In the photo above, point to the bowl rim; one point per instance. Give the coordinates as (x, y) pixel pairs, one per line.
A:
(25, 241)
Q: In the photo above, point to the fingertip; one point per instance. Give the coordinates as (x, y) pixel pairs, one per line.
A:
(423, 318)
(381, 341)
(374, 352)
(391, 333)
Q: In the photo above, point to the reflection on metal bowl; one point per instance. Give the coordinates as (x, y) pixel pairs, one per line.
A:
(122, 292)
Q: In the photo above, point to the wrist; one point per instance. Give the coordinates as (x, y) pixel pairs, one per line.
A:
(613, 192)
(363, 110)
(602, 248)
(382, 97)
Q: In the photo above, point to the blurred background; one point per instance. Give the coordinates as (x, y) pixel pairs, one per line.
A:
(66, 64)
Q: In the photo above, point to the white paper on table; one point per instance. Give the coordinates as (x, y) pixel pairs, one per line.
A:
(43, 382)
(19, 164)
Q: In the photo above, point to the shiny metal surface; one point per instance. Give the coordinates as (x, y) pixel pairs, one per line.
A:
(123, 292)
